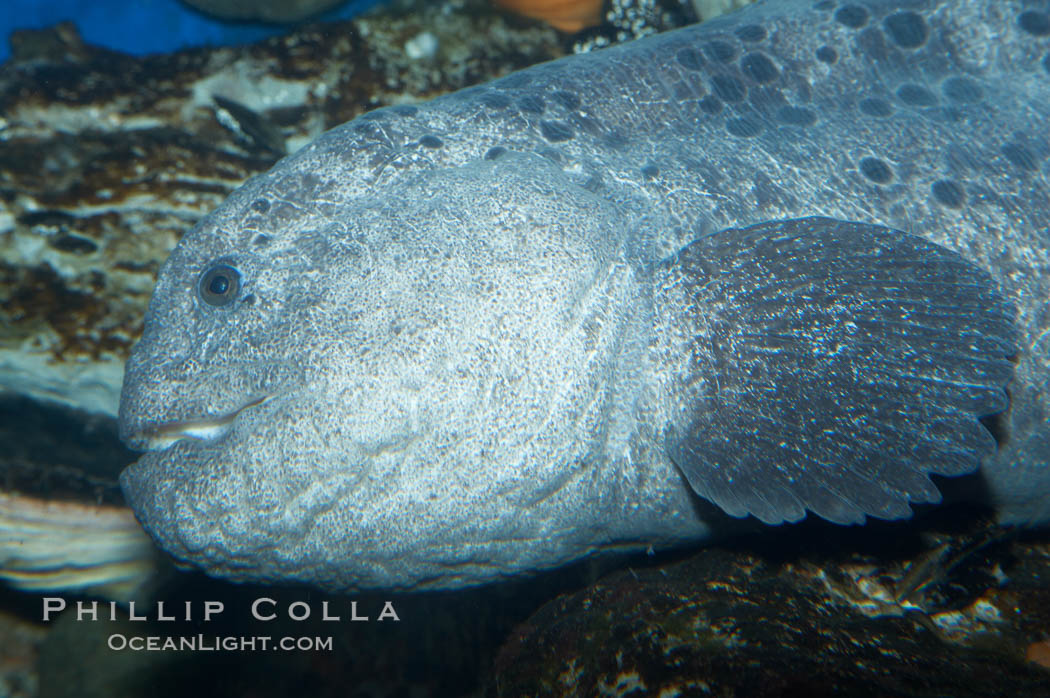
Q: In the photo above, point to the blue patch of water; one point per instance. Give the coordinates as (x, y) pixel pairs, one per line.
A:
(144, 26)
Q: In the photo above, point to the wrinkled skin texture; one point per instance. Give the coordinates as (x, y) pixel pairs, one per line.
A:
(425, 342)
(454, 345)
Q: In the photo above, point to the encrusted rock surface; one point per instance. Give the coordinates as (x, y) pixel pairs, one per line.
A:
(106, 159)
(949, 613)
(20, 640)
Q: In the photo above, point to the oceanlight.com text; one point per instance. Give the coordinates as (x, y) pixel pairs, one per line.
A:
(217, 643)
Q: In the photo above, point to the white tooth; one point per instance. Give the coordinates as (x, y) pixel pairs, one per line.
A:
(160, 442)
(201, 431)
(204, 430)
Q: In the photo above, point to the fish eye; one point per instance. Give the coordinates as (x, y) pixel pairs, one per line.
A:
(219, 285)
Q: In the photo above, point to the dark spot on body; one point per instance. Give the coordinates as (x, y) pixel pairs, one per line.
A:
(873, 44)
(550, 154)
(531, 105)
(852, 16)
(796, 116)
(586, 124)
(907, 29)
(687, 90)
(593, 184)
(728, 88)
(759, 68)
(948, 193)
(824, 5)
(432, 142)
(751, 32)
(556, 131)
(962, 89)
(615, 139)
(650, 171)
(803, 90)
(875, 106)
(495, 100)
(1020, 156)
(721, 51)
(1046, 63)
(916, 95)
(405, 110)
(744, 127)
(710, 105)
(260, 206)
(495, 152)
(567, 99)
(308, 184)
(261, 240)
(766, 99)
(249, 299)
(1034, 22)
(876, 170)
(826, 54)
(690, 59)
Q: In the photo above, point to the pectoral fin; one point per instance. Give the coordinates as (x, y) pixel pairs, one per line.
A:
(828, 366)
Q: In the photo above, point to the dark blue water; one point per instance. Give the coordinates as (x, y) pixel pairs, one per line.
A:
(143, 26)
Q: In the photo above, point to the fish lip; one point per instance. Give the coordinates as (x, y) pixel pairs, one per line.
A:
(160, 437)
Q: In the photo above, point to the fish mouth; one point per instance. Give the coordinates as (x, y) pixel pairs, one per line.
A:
(163, 436)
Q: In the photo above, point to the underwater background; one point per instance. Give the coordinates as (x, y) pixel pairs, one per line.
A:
(147, 26)
(120, 129)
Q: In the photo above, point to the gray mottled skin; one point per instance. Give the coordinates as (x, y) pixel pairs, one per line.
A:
(457, 346)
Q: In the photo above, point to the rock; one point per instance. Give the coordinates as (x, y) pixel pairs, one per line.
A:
(100, 671)
(63, 524)
(954, 616)
(70, 546)
(20, 640)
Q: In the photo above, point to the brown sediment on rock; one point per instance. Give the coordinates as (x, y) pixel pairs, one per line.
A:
(793, 621)
(1039, 653)
(81, 322)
